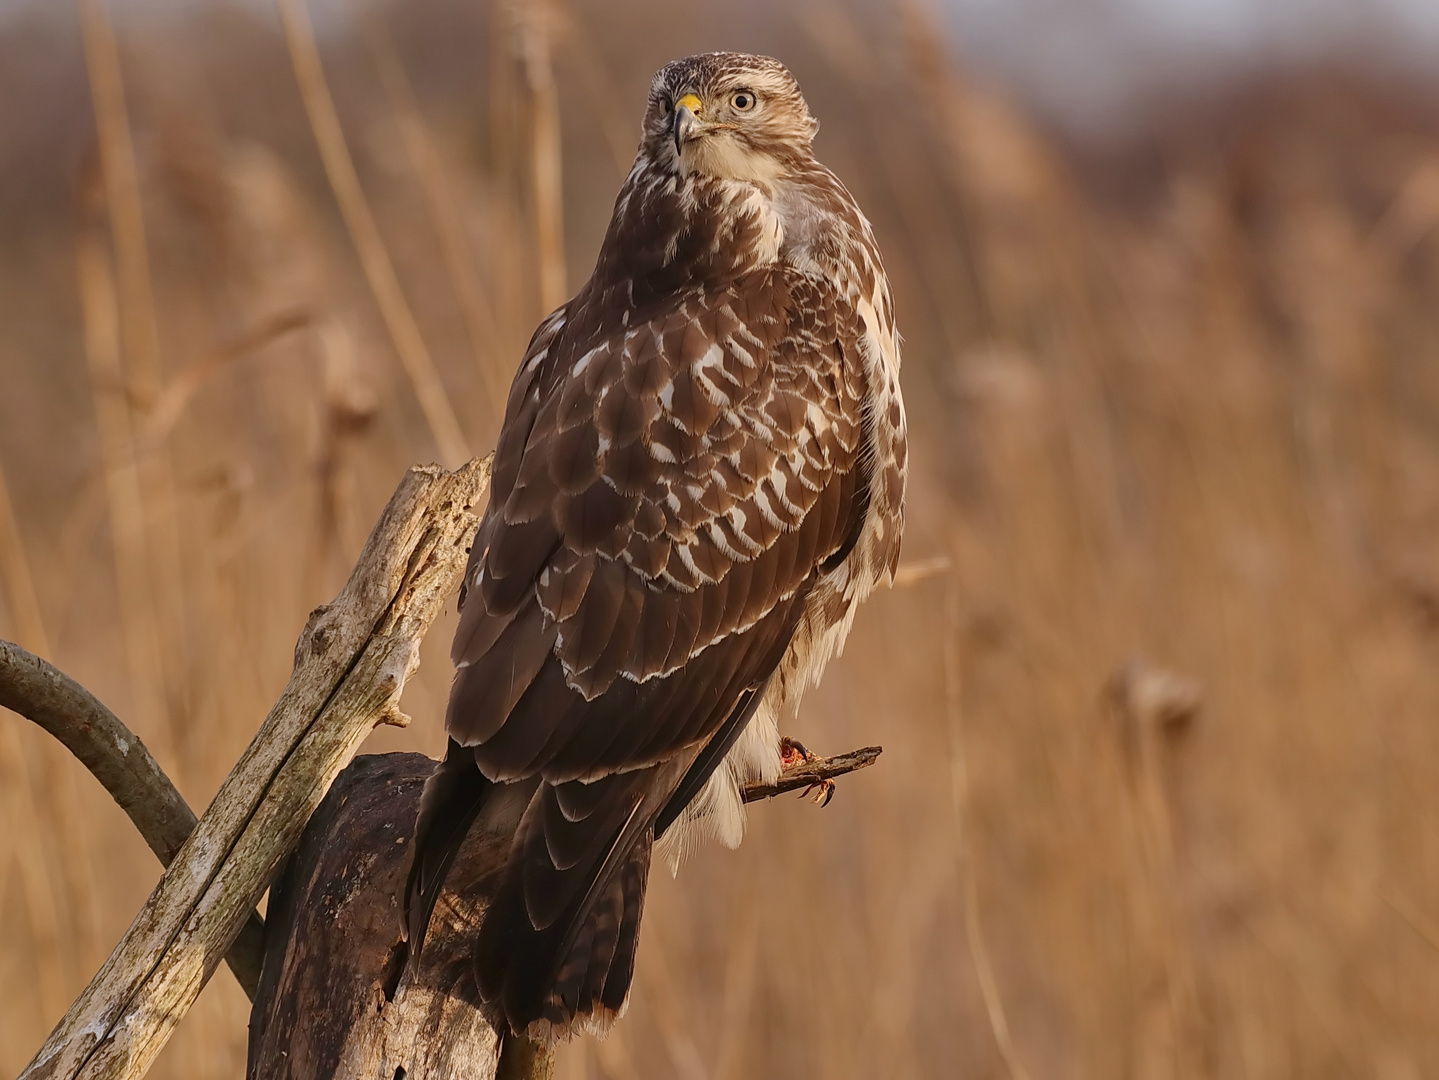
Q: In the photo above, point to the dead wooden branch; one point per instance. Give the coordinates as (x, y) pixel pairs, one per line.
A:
(351, 664)
(125, 768)
(335, 995)
(806, 774)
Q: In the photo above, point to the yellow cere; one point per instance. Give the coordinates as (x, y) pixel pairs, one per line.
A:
(690, 102)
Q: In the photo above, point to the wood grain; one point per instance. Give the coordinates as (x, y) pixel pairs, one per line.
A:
(351, 664)
(123, 765)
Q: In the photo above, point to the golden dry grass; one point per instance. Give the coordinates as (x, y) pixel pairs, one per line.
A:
(1196, 424)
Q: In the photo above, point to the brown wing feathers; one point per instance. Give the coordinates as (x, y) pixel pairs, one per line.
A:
(661, 502)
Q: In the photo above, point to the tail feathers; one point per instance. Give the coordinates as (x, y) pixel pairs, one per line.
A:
(556, 949)
(453, 797)
(594, 977)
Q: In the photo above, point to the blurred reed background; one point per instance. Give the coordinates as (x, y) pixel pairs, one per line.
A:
(1158, 692)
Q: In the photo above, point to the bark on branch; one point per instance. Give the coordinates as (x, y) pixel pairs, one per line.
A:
(115, 756)
(335, 996)
(351, 664)
(807, 774)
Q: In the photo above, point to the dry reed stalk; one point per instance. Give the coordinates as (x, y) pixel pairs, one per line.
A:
(138, 616)
(365, 234)
(595, 81)
(350, 406)
(614, 1057)
(533, 34)
(77, 535)
(61, 790)
(449, 223)
(1414, 918)
(19, 582)
(139, 333)
(739, 981)
(963, 853)
(27, 836)
(663, 998)
(512, 260)
(122, 192)
(1151, 707)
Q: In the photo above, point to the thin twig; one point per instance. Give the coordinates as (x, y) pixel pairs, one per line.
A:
(40, 692)
(911, 573)
(814, 771)
(365, 233)
(170, 405)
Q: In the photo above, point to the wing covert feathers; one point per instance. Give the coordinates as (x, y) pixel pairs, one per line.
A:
(678, 481)
(681, 474)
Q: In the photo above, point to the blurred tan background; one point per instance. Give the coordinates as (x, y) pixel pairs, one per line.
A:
(1158, 693)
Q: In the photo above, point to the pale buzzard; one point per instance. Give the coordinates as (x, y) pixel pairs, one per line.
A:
(700, 474)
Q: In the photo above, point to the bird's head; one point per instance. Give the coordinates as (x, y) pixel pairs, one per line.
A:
(729, 116)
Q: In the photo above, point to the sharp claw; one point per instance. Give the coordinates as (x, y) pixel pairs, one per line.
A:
(792, 753)
(820, 793)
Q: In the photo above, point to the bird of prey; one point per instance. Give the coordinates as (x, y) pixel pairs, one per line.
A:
(699, 476)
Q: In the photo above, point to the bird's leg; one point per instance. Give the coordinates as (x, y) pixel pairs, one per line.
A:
(793, 755)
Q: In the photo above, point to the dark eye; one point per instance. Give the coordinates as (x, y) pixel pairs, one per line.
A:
(667, 105)
(743, 100)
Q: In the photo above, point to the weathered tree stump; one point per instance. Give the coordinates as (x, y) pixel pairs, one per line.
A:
(337, 996)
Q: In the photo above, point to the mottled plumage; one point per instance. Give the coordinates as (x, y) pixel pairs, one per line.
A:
(699, 476)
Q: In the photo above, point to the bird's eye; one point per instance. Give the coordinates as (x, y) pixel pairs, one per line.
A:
(742, 100)
(667, 105)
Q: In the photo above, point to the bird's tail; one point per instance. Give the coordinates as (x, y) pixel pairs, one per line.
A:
(453, 797)
(556, 949)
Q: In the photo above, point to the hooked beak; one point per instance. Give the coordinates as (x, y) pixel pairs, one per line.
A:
(686, 121)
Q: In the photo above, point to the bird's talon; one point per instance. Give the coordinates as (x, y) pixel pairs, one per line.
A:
(792, 752)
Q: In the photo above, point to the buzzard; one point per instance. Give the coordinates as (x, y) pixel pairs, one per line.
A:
(700, 475)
